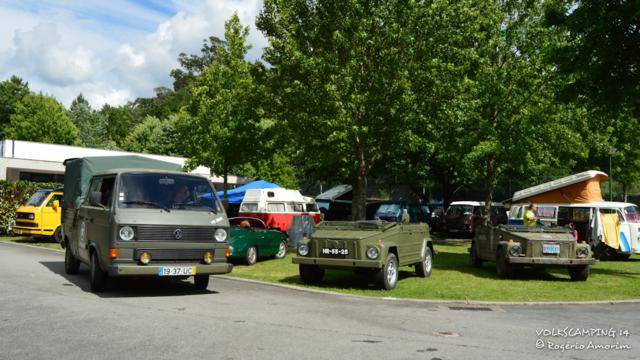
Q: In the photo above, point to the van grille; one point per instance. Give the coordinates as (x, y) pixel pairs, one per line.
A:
(172, 254)
(26, 224)
(166, 233)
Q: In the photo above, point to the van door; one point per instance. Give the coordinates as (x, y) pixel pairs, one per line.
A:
(51, 217)
(95, 216)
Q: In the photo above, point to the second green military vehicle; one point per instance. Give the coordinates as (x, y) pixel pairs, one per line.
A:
(513, 247)
(134, 216)
(376, 247)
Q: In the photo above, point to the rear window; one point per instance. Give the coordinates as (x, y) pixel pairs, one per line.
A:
(276, 207)
(459, 209)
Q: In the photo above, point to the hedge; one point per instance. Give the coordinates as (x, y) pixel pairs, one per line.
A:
(13, 194)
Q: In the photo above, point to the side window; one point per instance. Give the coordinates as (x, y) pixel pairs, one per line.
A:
(275, 207)
(54, 198)
(94, 187)
(102, 189)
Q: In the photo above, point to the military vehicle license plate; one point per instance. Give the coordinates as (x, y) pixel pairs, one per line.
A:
(334, 252)
(176, 270)
(550, 249)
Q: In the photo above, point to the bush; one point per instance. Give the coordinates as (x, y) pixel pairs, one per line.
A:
(12, 195)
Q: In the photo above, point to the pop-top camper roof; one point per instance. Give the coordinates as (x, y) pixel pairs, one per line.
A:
(583, 187)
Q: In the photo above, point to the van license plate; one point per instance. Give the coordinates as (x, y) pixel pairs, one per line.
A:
(176, 270)
(550, 249)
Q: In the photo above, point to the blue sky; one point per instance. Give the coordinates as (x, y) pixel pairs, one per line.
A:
(111, 51)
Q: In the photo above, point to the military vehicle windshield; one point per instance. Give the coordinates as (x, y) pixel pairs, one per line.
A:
(167, 191)
(38, 198)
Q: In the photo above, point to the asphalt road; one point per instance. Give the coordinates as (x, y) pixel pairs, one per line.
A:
(46, 314)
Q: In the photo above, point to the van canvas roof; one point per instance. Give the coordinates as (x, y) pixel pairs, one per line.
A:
(578, 188)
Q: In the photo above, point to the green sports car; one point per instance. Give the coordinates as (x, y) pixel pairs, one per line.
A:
(250, 239)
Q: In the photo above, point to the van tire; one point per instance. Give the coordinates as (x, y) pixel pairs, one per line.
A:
(98, 276)
(387, 277)
(252, 256)
(503, 268)
(57, 235)
(311, 274)
(474, 259)
(579, 273)
(201, 282)
(71, 263)
(424, 268)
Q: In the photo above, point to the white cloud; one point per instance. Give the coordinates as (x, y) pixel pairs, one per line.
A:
(62, 50)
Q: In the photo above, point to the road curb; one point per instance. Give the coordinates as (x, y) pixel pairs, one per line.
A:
(470, 303)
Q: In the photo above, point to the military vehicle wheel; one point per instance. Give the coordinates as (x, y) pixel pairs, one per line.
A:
(282, 250)
(503, 268)
(98, 277)
(580, 273)
(311, 274)
(423, 268)
(252, 255)
(71, 264)
(201, 282)
(474, 260)
(387, 277)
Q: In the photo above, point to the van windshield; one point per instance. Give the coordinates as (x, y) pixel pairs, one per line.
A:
(389, 208)
(167, 191)
(38, 198)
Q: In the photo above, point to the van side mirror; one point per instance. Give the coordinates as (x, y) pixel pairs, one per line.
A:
(55, 205)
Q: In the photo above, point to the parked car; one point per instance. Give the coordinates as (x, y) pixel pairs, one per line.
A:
(436, 215)
(40, 216)
(134, 216)
(513, 247)
(251, 239)
(462, 217)
(370, 247)
(393, 210)
(277, 207)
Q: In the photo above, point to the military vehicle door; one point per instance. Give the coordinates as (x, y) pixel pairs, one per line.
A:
(486, 248)
(95, 215)
(409, 241)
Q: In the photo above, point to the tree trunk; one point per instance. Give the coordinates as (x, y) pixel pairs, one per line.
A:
(445, 182)
(359, 203)
(624, 191)
(225, 183)
(491, 173)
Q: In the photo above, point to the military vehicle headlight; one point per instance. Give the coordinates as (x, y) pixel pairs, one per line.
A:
(372, 253)
(515, 250)
(303, 250)
(208, 257)
(582, 251)
(126, 233)
(220, 235)
(145, 258)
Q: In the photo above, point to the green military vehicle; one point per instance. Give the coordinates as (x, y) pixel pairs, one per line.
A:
(376, 247)
(134, 216)
(513, 247)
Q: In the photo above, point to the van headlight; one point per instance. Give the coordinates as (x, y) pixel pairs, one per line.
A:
(582, 251)
(515, 250)
(303, 250)
(220, 235)
(126, 233)
(372, 253)
(31, 216)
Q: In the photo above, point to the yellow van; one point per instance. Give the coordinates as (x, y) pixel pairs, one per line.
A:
(40, 216)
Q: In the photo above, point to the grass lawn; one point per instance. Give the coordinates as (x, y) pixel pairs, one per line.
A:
(52, 244)
(454, 279)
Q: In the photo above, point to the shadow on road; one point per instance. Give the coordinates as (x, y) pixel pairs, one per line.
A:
(129, 286)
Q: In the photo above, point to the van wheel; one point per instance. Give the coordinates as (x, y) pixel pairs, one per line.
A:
(282, 250)
(252, 255)
(98, 277)
(503, 268)
(387, 277)
(311, 274)
(423, 268)
(579, 273)
(201, 282)
(71, 264)
(474, 260)
(57, 235)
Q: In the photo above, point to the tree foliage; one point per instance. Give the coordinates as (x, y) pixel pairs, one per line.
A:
(154, 136)
(12, 91)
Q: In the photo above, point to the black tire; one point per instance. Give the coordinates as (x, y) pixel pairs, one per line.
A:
(201, 282)
(474, 260)
(311, 274)
(579, 273)
(71, 264)
(252, 256)
(98, 276)
(387, 277)
(503, 268)
(57, 235)
(424, 268)
(282, 250)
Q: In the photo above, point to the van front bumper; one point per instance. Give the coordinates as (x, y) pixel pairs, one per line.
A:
(151, 270)
(337, 263)
(31, 231)
(550, 261)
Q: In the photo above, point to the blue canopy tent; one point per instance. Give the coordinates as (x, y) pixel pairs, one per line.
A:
(236, 195)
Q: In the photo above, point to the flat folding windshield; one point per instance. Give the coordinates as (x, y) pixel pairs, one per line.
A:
(389, 208)
(167, 191)
(38, 198)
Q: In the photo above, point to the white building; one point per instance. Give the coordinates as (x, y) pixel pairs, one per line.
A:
(25, 160)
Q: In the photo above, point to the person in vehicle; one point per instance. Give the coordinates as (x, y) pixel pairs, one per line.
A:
(573, 230)
(182, 193)
(530, 217)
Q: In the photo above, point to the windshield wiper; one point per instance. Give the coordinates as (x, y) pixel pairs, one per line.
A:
(141, 202)
(195, 205)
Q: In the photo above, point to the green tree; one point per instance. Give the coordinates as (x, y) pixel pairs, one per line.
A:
(153, 136)
(192, 66)
(92, 125)
(120, 120)
(43, 119)
(340, 70)
(12, 91)
(221, 128)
